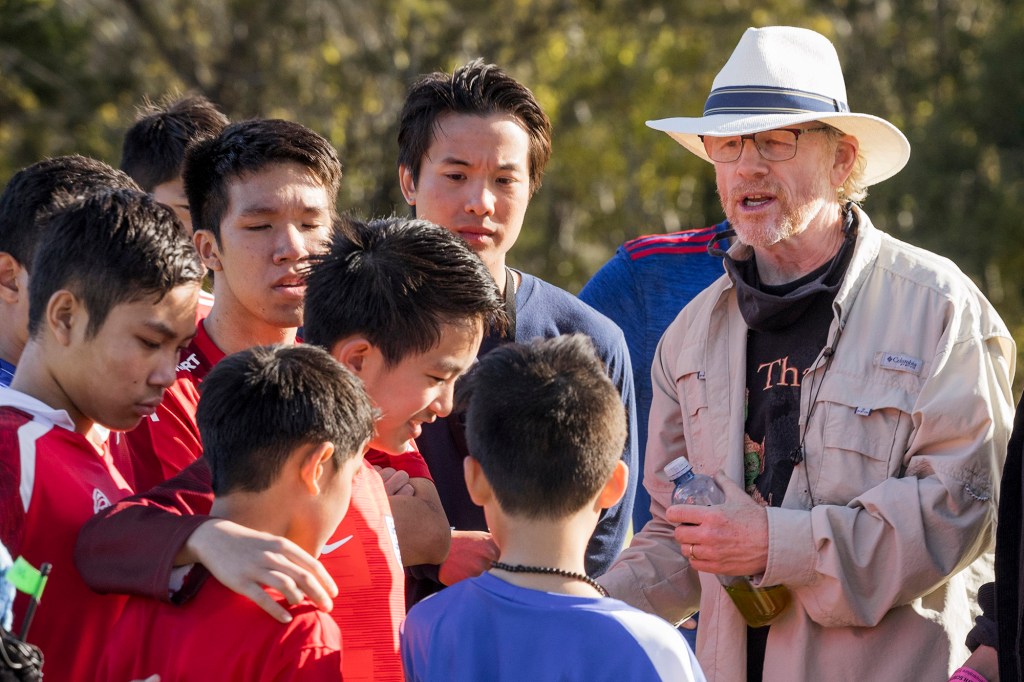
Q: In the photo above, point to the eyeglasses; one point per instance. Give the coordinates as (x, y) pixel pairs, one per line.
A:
(772, 145)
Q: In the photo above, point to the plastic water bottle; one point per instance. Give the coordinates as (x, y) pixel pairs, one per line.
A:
(758, 605)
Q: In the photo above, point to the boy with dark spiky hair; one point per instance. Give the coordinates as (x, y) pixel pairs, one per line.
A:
(403, 304)
(153, 153)
(546, 428)
(112, 303)
(400, 301)
(285, 428)
(262, 197)
(32, 192)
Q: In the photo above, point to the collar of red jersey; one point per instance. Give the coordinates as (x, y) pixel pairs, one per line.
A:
(41, 412)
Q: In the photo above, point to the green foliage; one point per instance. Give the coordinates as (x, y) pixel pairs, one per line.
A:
(947, 72)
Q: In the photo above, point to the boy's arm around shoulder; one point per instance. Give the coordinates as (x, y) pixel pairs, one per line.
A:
(130, 547)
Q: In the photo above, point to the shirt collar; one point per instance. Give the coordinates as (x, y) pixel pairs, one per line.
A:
(42, 412)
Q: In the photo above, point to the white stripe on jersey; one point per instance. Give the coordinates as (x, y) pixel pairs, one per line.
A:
(662, 643)
(28, 434)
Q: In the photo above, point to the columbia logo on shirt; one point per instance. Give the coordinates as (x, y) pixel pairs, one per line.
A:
(901, 363)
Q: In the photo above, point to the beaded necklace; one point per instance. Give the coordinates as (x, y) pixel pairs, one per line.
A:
(548, 570)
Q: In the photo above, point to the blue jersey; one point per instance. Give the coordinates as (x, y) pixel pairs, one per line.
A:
(487, 629)
(642, 289)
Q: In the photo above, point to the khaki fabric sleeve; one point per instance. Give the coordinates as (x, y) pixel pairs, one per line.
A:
(904, 538)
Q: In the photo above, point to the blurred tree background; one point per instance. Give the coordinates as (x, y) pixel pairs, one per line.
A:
(949, 73)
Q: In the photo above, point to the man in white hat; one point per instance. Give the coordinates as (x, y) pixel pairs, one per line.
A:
(851, 394)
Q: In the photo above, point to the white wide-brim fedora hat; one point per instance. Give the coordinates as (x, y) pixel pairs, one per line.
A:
(779, 77)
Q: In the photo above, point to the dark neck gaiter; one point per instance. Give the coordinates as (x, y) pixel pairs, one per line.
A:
(770, 308)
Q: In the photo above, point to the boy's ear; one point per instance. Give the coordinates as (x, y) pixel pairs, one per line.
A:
(615, 488)
(63, 311)
(209, 250)
(314, 464)
(353, 352)
(408, 184)
(10, 268)
(479, 487)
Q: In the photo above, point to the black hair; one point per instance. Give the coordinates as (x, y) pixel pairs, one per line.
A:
(33, 190)
(546, 424)
(257, 406)
(397, 281)
(476, 89)
(154, 146)
(111, 247)
(250, 147)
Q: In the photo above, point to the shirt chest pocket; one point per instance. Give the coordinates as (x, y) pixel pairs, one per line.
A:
(692, 393)
(864, 430)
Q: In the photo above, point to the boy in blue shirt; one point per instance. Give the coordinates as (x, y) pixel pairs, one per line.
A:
(546, 428)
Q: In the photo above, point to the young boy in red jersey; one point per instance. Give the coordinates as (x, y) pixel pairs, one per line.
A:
(262, 198)
(32, 192)
(403, 304)
(284, 428)
(262, 195)
(112, 301)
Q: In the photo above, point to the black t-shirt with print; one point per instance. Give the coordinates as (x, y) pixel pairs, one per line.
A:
(776, 363)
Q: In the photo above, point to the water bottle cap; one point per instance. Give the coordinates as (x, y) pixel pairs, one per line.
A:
(677, 467)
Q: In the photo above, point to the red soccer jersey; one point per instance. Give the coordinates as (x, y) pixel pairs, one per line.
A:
(220, 635)
(52, 480)
(164, 444)
(410, 462)
(145, 532)
(168, 441)
(122, 456)
(363, 558)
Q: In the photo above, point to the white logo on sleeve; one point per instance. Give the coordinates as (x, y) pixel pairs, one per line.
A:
(99, 500)
(331, 546)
